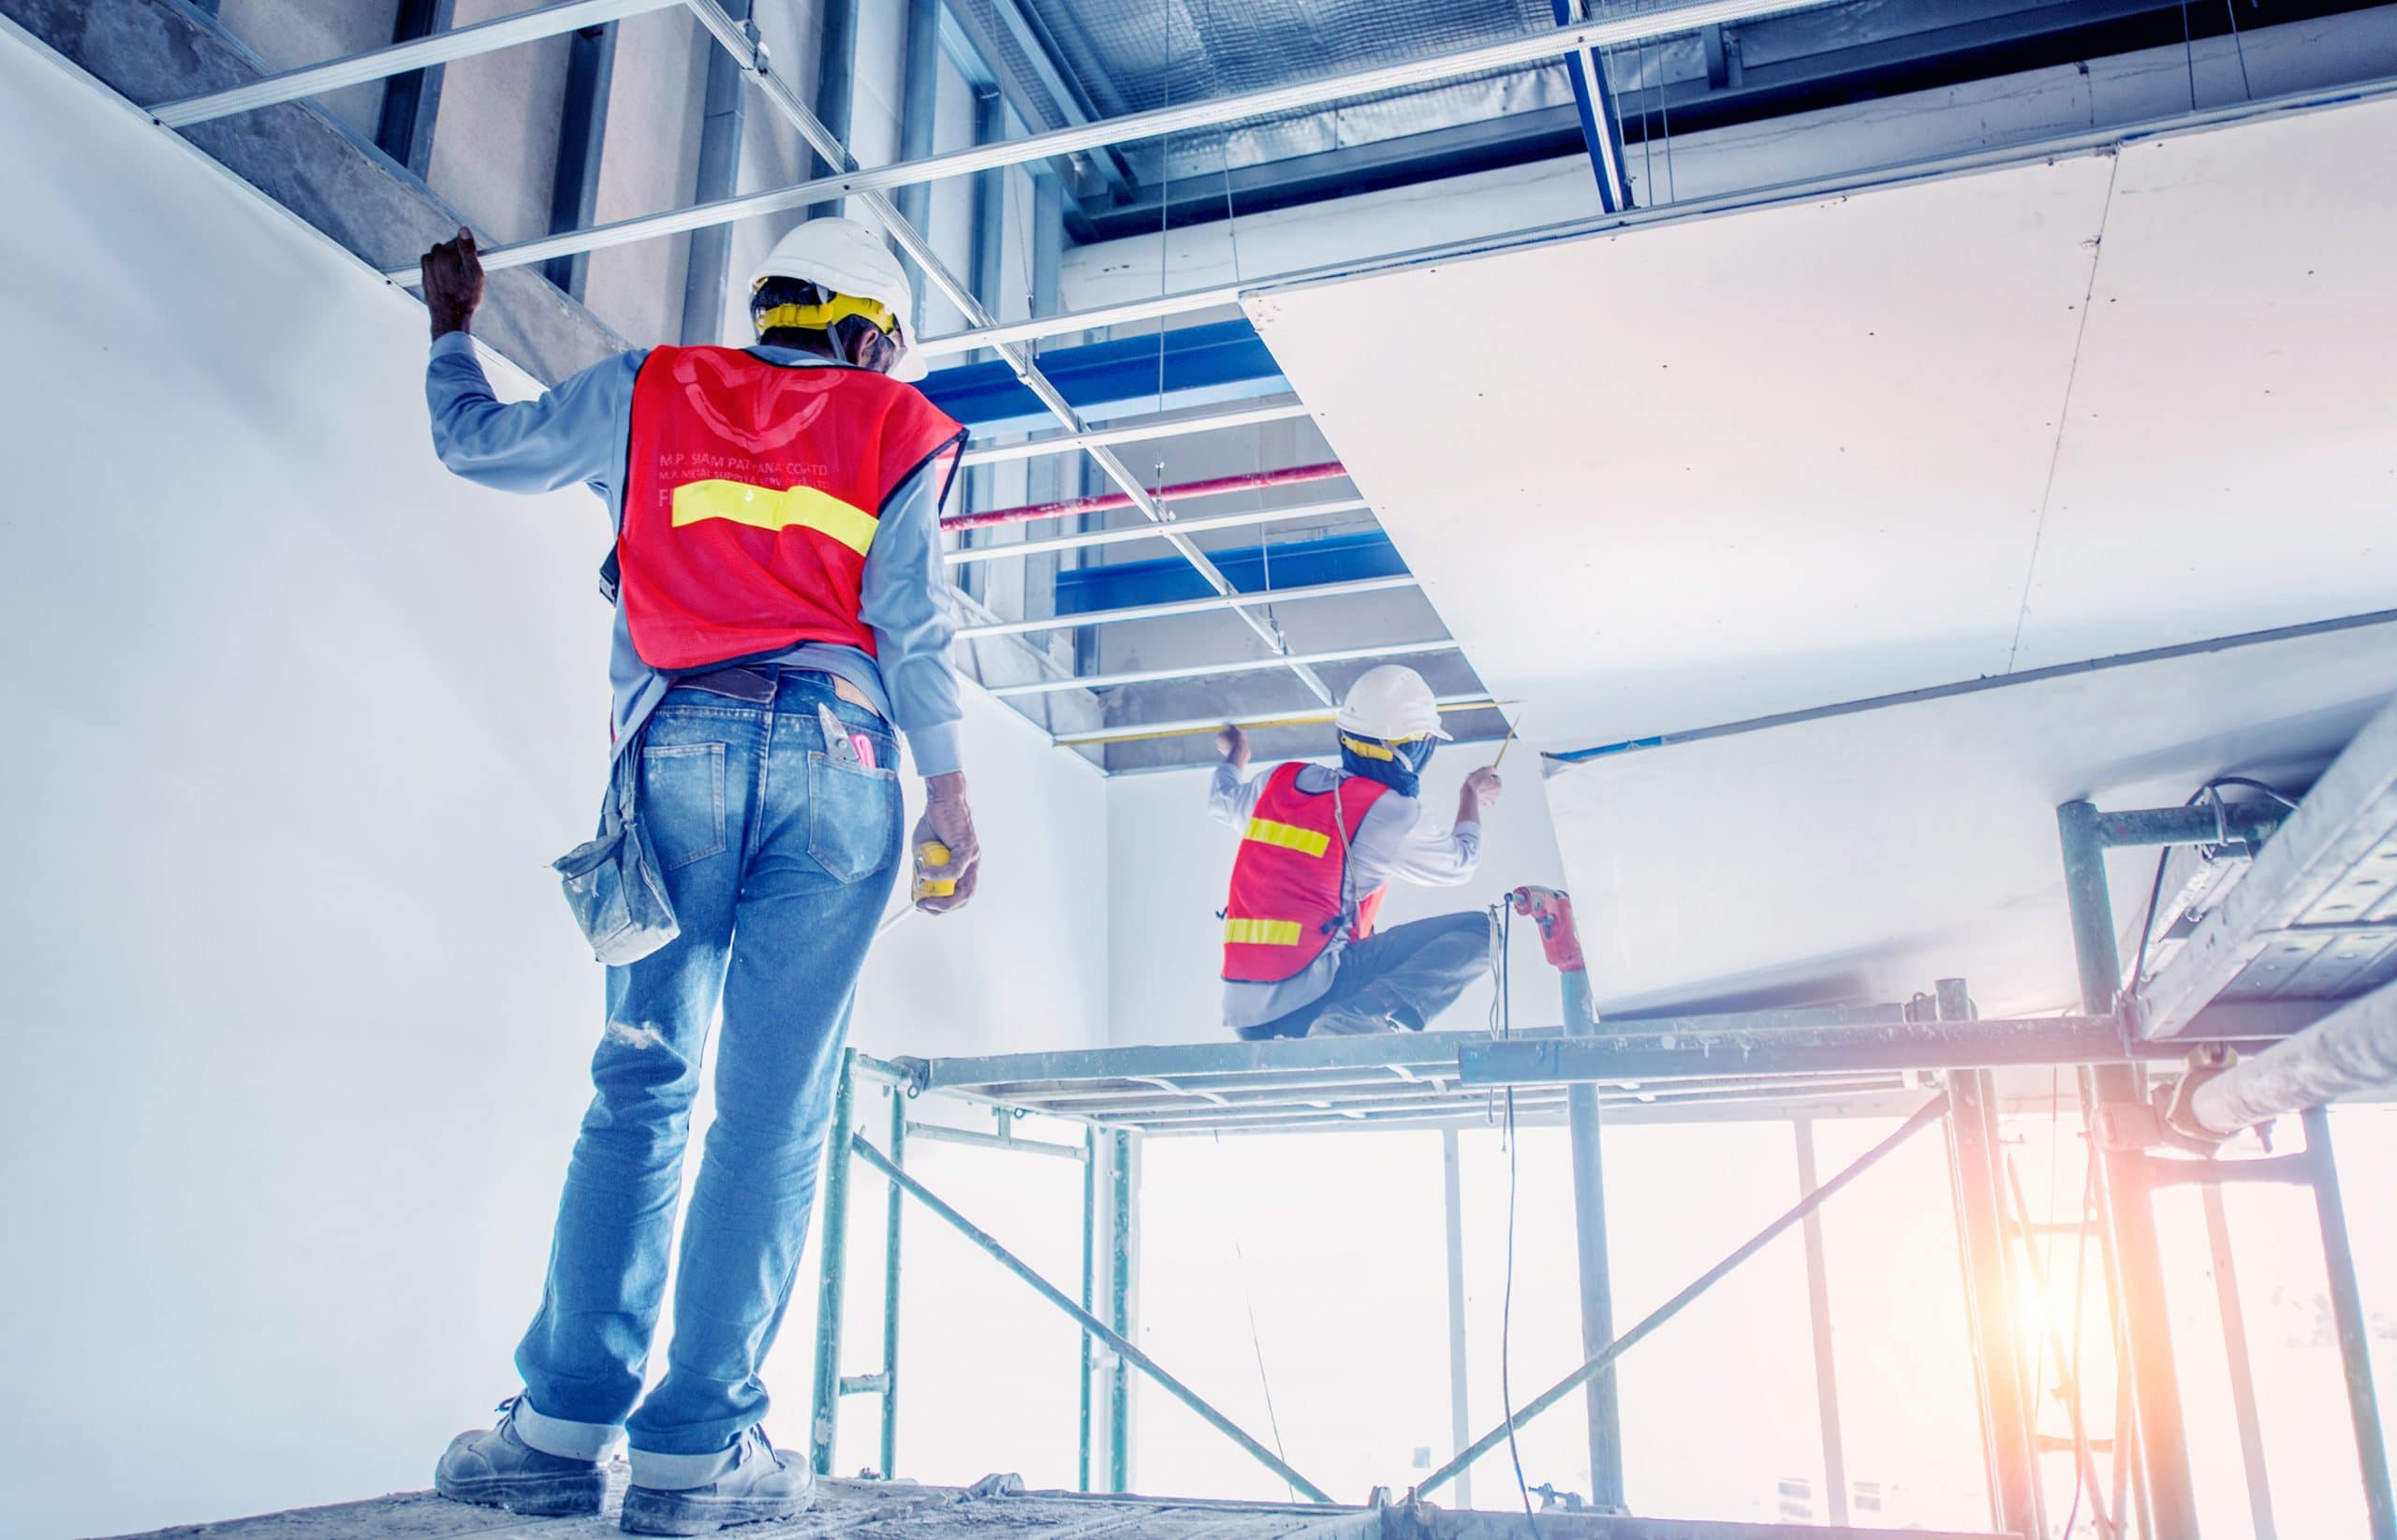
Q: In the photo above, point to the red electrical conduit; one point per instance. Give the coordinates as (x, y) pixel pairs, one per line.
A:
(1331, 470)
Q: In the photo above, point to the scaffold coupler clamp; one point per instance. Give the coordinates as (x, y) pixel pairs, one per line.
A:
(1552, 912)
(1408, 1519)
(2177, 1124)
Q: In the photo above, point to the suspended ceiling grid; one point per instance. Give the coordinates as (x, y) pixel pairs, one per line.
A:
(1707, 470)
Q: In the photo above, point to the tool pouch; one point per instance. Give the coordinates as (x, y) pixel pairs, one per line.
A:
(612, 882)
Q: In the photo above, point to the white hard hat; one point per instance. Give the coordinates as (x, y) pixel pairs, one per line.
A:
(845, 258)
(1392, 703)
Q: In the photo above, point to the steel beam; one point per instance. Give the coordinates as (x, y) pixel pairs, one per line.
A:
(383, 63)
(1049, 86)
(723, 125)
(412, 99)
(1924, 1117)
(836, 59)
(919, 115)
(1187, 606)
(1534, 49)
(582, 137)
(831, 1290)
(989, 204)
(1184, 527)
(2145, 1322)
(1237, 665)
(2346, 1311)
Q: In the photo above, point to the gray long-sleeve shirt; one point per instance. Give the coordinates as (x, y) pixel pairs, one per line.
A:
(1394, 840)
(579, 431)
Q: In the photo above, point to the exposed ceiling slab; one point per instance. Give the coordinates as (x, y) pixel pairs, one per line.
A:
(1703, 471)
(1863, 855)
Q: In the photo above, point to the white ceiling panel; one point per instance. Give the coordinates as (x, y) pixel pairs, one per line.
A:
(1702, 471)
(2230, 461)
(1864, 855)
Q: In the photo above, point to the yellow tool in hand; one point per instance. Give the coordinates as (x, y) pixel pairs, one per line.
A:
(933, 853)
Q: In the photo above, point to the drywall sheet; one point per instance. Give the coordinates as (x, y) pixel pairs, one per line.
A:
(2229, 457)
(1709, 470)
(1864, 855)
(296, 721)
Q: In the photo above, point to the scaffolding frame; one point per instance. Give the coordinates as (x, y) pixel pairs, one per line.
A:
(1929, 1061)
(1436, 1081)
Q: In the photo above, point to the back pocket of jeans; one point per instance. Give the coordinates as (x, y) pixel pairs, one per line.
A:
(681, 800)
(852, 813)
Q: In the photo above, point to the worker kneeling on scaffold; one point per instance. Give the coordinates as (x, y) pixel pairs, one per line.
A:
(778, 591)
(1318, 848)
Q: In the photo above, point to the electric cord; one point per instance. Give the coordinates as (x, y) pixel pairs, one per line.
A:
(1503, 1004)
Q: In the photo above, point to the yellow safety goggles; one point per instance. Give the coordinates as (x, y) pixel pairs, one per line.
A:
(821, 317)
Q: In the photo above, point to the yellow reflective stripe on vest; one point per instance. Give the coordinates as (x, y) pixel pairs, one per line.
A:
(1261, 932)
(1306, 842)
(763, 507)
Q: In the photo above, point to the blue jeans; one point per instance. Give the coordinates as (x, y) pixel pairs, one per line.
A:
(778, 860)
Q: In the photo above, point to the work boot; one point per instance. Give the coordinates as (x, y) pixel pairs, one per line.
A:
(762, 1484)
(498, 1469)
(1363, 1014)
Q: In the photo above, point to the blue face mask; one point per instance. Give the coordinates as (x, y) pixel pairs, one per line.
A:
(1402, 771)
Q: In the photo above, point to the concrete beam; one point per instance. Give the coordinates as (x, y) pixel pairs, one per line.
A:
(300, 156)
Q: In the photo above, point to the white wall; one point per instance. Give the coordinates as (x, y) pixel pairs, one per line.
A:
(296, 1022)
(1167, 863)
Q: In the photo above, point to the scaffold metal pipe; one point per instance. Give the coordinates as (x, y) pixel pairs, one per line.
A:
(1924, 1117)
(1123, 1346)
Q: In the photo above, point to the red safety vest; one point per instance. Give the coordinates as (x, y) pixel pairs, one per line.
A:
(1287, 880)
(752, 493)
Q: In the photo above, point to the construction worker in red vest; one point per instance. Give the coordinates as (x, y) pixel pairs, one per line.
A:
(1319, 849)
(779, 611)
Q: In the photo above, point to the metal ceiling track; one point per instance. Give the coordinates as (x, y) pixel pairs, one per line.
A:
(857, 182)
